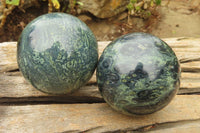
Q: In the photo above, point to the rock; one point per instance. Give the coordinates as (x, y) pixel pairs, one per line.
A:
(125, 81)
(122, 16)
(84, 18)
(104, 8)
(70, 51)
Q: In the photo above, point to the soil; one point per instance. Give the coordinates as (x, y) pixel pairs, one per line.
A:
(180, 18)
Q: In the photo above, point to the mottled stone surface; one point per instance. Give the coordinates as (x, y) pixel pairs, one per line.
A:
(57, 53)
(138, 74)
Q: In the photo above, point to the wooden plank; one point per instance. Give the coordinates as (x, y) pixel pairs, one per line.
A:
(8, 53)
(186, 49)
(192, 66)
(175, 127)
(98, 117)
(93, 117)
(190, 83)
(14, 88)
(183, 42)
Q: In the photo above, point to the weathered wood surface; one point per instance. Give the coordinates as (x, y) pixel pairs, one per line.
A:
(186, 49)
(15, 89)
(24, 109)
(98, 117)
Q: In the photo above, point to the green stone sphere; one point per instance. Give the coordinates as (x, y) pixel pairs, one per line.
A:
(138, 73)
(57, 53)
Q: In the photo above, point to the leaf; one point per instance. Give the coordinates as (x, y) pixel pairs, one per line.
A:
(56, 4)
(130, 6)
(133, 1)
(137, 8)
(79, 3)
(13, 2)
(152, 3)
(158, 2)
(148, 13)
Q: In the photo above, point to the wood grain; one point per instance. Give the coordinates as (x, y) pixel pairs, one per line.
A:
(14, 88)
(93, 117)
(186, 49)
(24, 109)
(8, 57)
(175, 127)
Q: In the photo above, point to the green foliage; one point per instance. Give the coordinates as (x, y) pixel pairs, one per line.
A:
(130, 6)
(137, 8)
(142, 8)
(56, 4)
(13, 2)
(158, 2)
(148, 13)
(133, 1)
(79, 3)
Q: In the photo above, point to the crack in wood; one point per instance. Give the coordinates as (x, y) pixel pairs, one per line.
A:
(182, 38)
(22, 107)
(71, 131)
(49, 100)
(159, 126)
(187, 60)
(147, 128)
(13, 70)
(192, 70)
(15, 90)
(61, 99)
(156, 127)
(89, 118)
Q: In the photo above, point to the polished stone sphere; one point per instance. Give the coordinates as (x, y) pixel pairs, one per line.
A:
(138, 74)
(57, 53)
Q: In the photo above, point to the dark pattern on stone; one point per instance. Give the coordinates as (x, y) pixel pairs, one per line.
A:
(57, 53)
(138, 74)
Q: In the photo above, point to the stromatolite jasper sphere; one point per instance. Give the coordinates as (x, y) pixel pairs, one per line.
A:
(138, 74)
(57, 53)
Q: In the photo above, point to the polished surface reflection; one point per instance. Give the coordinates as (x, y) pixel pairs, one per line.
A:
(57, 53)
(138, 74)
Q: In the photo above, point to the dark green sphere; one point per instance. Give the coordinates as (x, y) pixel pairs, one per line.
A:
(138, 74)
(57, 53)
